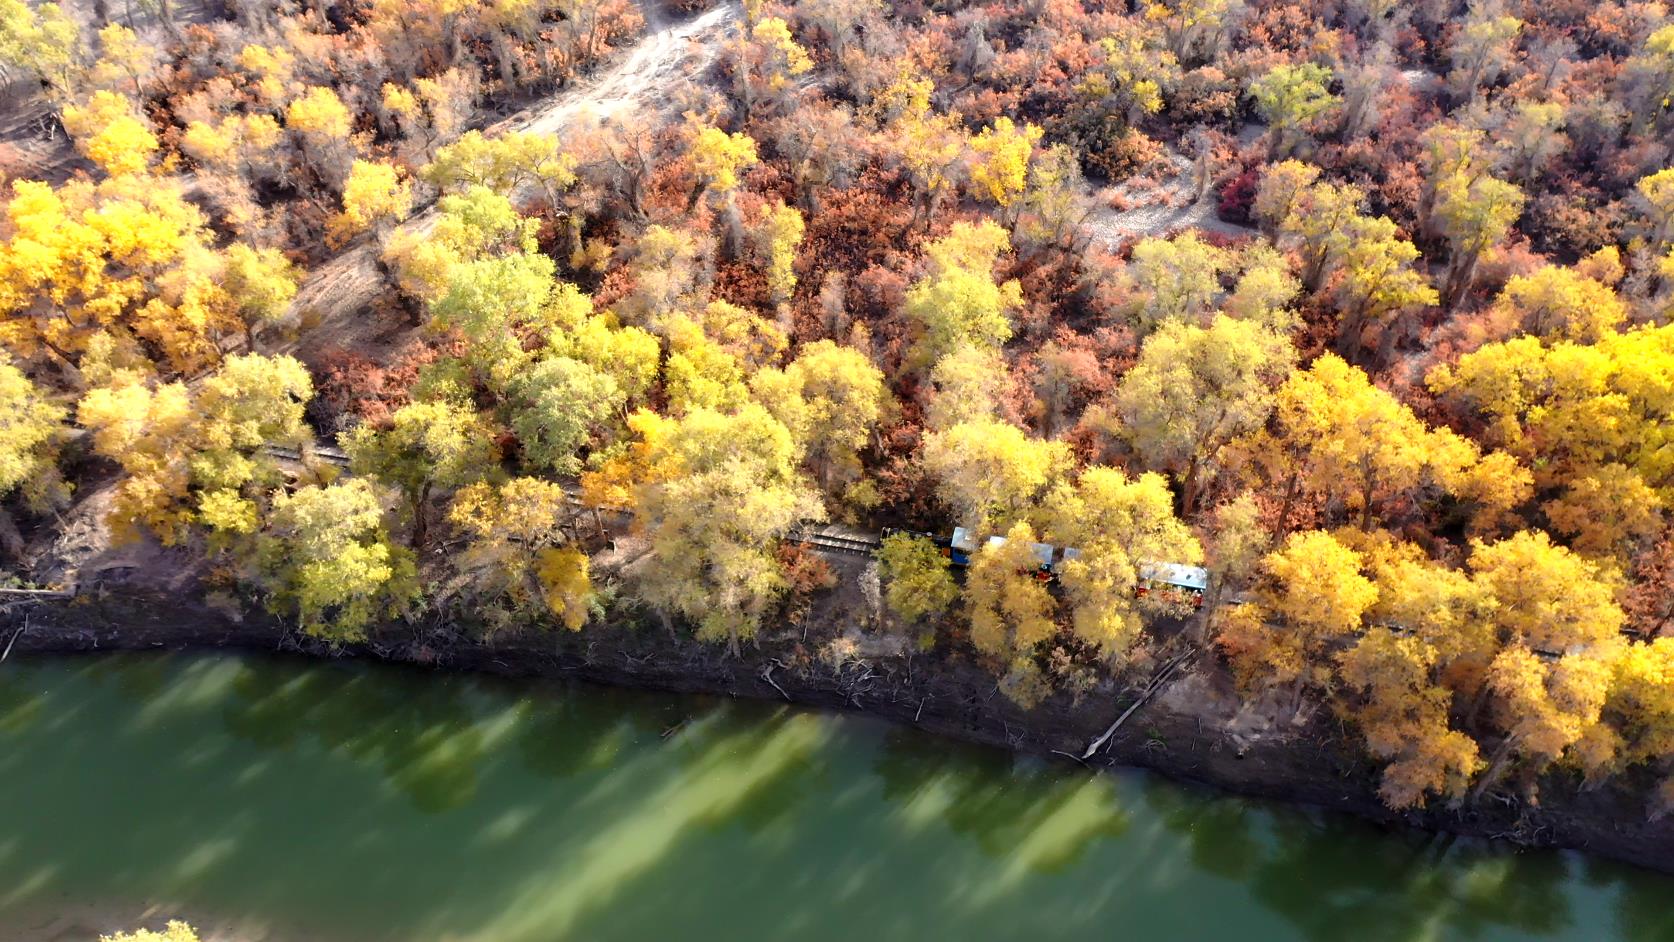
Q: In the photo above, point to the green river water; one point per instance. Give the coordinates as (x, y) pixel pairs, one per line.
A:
(289, 800)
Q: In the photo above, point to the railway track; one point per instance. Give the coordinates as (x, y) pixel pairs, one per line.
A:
(834, 543)
(319, 453)
(815, 539)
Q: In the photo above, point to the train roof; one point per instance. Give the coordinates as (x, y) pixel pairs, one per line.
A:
(965, 541)
(1176, 574)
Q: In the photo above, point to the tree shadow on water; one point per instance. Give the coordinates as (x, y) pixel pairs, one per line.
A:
(425, 739)
(1001, 801)
(1327, 872)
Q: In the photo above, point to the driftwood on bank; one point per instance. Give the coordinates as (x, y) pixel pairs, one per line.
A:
(1150, 691)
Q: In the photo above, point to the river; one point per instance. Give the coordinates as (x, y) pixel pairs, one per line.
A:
(291, 800)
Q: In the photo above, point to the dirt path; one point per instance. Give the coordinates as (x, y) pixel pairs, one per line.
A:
(337, 294)
(1161, 210)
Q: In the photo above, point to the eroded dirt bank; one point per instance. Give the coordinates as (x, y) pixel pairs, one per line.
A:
(940, 693)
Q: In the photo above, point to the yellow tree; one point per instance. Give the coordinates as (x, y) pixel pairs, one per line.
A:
(1345, 440)
(470, 226)
(1474, 213)
(966, 386)
(1403, 715)
(260, 284)
(832, 399)
(1115, 524)
(1378, 278)
(1310, 598)
(31, 425)
(781, 232)
(557, 407)
(1485, 43)
(127, 259)
(1640, 707)
(1010, 610)
(110, 132)
(958, 303)
(515, 558)
(1554, 301)
(1593, 420)
(195, 456)
(1556, 621)
(1290, 97)
(123, 60)
(323, 126)
(1002, 170)
(375, 199)
(717, 159)
(769, 62)
(175, 931)
(1428, 637)
(715, 493)
(990, 473)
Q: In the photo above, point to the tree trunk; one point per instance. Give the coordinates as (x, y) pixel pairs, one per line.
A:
(1188, 489)
(12, 543)
(421, 517)
(1290, 498)
(1496, 769)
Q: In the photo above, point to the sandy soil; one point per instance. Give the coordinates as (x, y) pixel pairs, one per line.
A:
(1163, 211)
(338, 294)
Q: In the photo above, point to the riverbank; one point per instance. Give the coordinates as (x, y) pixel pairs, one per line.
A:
(941, 693)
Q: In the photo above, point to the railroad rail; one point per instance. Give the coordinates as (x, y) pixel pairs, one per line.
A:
(833, 542)
(806, 534)
(319, 452)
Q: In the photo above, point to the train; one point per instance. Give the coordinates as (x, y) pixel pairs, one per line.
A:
(1171, 581)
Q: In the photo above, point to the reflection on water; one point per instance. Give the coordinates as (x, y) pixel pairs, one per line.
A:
(340, 802)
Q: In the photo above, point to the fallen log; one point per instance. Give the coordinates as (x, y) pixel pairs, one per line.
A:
(1149, 692)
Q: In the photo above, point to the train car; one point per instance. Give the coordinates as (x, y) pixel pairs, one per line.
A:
(963, 545)
(1175, 582)
(1166, 581)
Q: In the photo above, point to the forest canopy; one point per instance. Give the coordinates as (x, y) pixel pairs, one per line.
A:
(1364, 308)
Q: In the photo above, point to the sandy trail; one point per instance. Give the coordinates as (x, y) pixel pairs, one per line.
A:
(1165, 209)
(336, 294)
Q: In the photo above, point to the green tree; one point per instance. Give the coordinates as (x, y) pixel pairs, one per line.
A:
(1379, 280)
(1194, 390)
(43, 39)
(1475, 214)
(990, 472)
(1290, 97)
(427, 446)
(917, 582)
(1178, 278)
(558, 406)
(504, 164)
(1484, 45)
(832, 399)
(326, 559)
